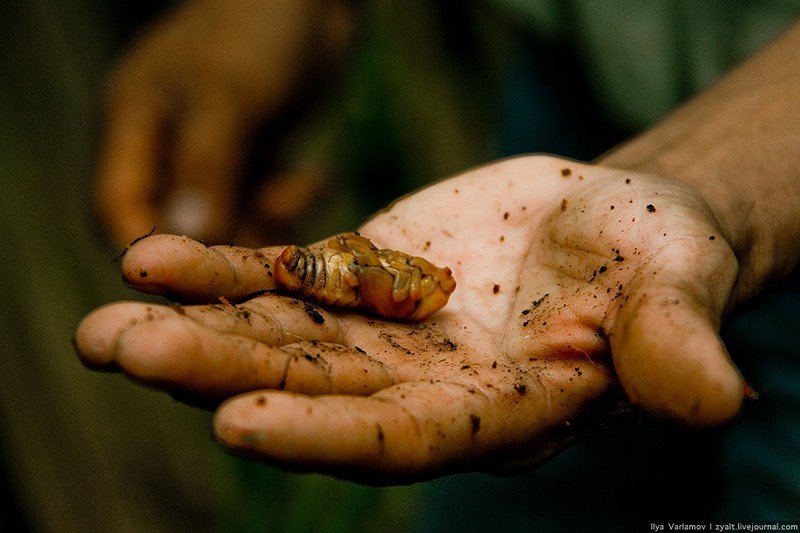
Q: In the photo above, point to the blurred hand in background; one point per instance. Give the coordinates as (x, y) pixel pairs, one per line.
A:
(184, 108)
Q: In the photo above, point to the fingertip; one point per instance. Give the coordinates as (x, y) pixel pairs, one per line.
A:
(97, 334)
(247, 424)
(149, 264)
(225, 427)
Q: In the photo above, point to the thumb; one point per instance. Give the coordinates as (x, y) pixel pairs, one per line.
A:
(207, 173)
(665, 343)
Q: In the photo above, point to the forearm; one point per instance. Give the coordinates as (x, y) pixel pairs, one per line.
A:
(738, 145)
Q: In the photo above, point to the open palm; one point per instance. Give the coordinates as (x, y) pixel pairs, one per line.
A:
(572, 279)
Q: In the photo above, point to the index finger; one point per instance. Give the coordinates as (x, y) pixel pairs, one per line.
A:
(190, 271)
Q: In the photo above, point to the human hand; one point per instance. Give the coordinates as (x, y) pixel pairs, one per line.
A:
(570, 277)
(184, 105)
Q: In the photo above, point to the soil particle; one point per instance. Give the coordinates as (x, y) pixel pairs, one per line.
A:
(313, 313)
(538, 302)
(475, 423)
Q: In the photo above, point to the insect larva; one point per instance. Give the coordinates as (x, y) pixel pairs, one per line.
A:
(352, 272)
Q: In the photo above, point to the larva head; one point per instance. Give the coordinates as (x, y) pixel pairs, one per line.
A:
(435, 300)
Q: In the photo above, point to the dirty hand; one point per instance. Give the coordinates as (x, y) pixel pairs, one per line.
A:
(572, 278)
(184, 104)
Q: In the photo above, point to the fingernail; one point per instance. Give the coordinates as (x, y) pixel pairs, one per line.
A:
(188, 212)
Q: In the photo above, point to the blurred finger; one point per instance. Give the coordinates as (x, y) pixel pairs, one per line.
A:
(191, 271)
(127, 180)
(285, 196)
(208, 163)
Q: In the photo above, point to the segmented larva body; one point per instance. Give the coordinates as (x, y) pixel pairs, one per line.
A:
(352, 272)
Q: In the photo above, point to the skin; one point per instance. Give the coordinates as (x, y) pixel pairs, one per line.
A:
(578, 285)
(493, 380)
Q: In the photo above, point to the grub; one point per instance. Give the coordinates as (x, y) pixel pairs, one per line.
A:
(350, 271)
